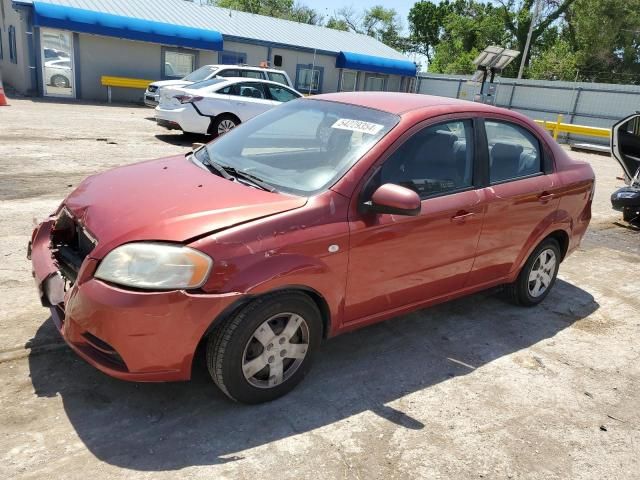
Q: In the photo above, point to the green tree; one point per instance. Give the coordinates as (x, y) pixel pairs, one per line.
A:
(426, 23)
(379, 22)
(468, 27)
(337, 24)
(556, 63)
(605, 35)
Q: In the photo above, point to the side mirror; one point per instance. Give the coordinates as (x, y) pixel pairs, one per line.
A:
(394, 199)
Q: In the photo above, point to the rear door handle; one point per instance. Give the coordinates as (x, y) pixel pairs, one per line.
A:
(462, 216)
(545, 197)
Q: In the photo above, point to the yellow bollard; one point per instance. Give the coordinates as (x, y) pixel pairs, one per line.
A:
(556, 130)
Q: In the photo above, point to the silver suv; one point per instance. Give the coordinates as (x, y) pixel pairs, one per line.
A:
(152, 94)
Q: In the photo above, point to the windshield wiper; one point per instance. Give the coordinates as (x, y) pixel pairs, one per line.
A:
(249, 177)
(211, 166)
(230, 173)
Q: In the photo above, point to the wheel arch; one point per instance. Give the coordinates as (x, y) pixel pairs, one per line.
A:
(215, 118)
(313, 294)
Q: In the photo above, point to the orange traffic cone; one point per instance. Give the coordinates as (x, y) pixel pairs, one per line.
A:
(3, 97)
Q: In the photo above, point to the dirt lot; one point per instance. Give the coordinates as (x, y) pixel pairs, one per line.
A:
(472, 389)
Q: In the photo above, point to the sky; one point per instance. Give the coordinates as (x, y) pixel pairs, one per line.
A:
(327, 7)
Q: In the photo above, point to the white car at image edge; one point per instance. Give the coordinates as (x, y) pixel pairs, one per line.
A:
(152, 94)
(215, 106)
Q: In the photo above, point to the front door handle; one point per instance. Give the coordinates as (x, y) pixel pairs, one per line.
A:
(544, 197)
(462, 216)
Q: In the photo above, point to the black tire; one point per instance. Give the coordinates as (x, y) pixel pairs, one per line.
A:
(519, 292)
(227, 347)
(60, 81)
(220, 120)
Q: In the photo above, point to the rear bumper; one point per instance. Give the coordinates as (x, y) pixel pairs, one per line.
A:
(130, 335)
(185, 118)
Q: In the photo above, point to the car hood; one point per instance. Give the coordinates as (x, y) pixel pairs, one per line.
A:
(170, 199)
(170, 83)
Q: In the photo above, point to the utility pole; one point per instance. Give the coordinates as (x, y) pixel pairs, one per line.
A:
(536, 9)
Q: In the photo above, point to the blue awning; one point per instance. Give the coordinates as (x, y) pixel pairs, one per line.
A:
(369, 63)
(89, 21)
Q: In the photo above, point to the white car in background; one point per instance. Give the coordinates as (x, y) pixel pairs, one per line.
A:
(58, 72)
(152, 94)
(215, 106)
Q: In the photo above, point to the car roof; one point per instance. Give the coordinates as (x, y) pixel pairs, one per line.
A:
(254, 80)
(246, 67)
(399, 103)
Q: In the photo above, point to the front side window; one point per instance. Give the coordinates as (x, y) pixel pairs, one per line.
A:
(514, 152)
(435, 160)
(281, 94)
(349, 81)
(277, 77)
(309, 79)
(251, 90)
(302, 147)
(178, 64)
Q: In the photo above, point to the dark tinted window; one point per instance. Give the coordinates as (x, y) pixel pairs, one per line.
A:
(514, 152)
(229, 72)
(437, 159)
(250, 90)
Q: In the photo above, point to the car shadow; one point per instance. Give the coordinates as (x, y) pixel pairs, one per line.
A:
(182, 139)
(153, 427)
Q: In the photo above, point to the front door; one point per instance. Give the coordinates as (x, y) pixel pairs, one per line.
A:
(397, 261)
(57, 63)
(520, 199)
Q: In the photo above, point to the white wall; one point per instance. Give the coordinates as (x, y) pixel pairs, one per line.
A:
(14, 75)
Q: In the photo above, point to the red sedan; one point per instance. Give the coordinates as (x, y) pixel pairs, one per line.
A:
(321, 216)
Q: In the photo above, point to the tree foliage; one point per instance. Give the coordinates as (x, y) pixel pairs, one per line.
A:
(597, 40)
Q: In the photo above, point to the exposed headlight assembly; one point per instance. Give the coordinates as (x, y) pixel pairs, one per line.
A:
(155, 266)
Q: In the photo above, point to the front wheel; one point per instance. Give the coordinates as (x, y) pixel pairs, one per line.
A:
(538, 275)
(266, 349)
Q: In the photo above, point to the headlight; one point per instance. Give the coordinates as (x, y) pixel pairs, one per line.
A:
(155, 266)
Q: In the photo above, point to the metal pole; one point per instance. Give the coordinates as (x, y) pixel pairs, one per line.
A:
(313, 66)
(536, 8)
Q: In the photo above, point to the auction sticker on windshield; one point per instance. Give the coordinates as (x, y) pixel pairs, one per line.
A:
(357, 126)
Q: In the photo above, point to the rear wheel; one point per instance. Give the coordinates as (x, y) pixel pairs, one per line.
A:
(538, 275)
(223, 124)
(266, 349)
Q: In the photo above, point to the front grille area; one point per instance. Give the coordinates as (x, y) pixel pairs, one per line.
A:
(70, 245)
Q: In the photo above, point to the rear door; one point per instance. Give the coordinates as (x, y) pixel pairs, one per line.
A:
(250, 99)
(520, 199)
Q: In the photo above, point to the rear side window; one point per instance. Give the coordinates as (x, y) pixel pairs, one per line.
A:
(277, 77)
(435, 160)
(514, 152)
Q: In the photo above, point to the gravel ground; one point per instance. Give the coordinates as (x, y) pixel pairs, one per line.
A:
(475, 388)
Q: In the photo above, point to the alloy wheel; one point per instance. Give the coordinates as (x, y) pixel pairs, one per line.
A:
(225, 125)
(276, 350)
(541, 274)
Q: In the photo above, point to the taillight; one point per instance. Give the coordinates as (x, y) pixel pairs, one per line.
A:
(187, 98)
